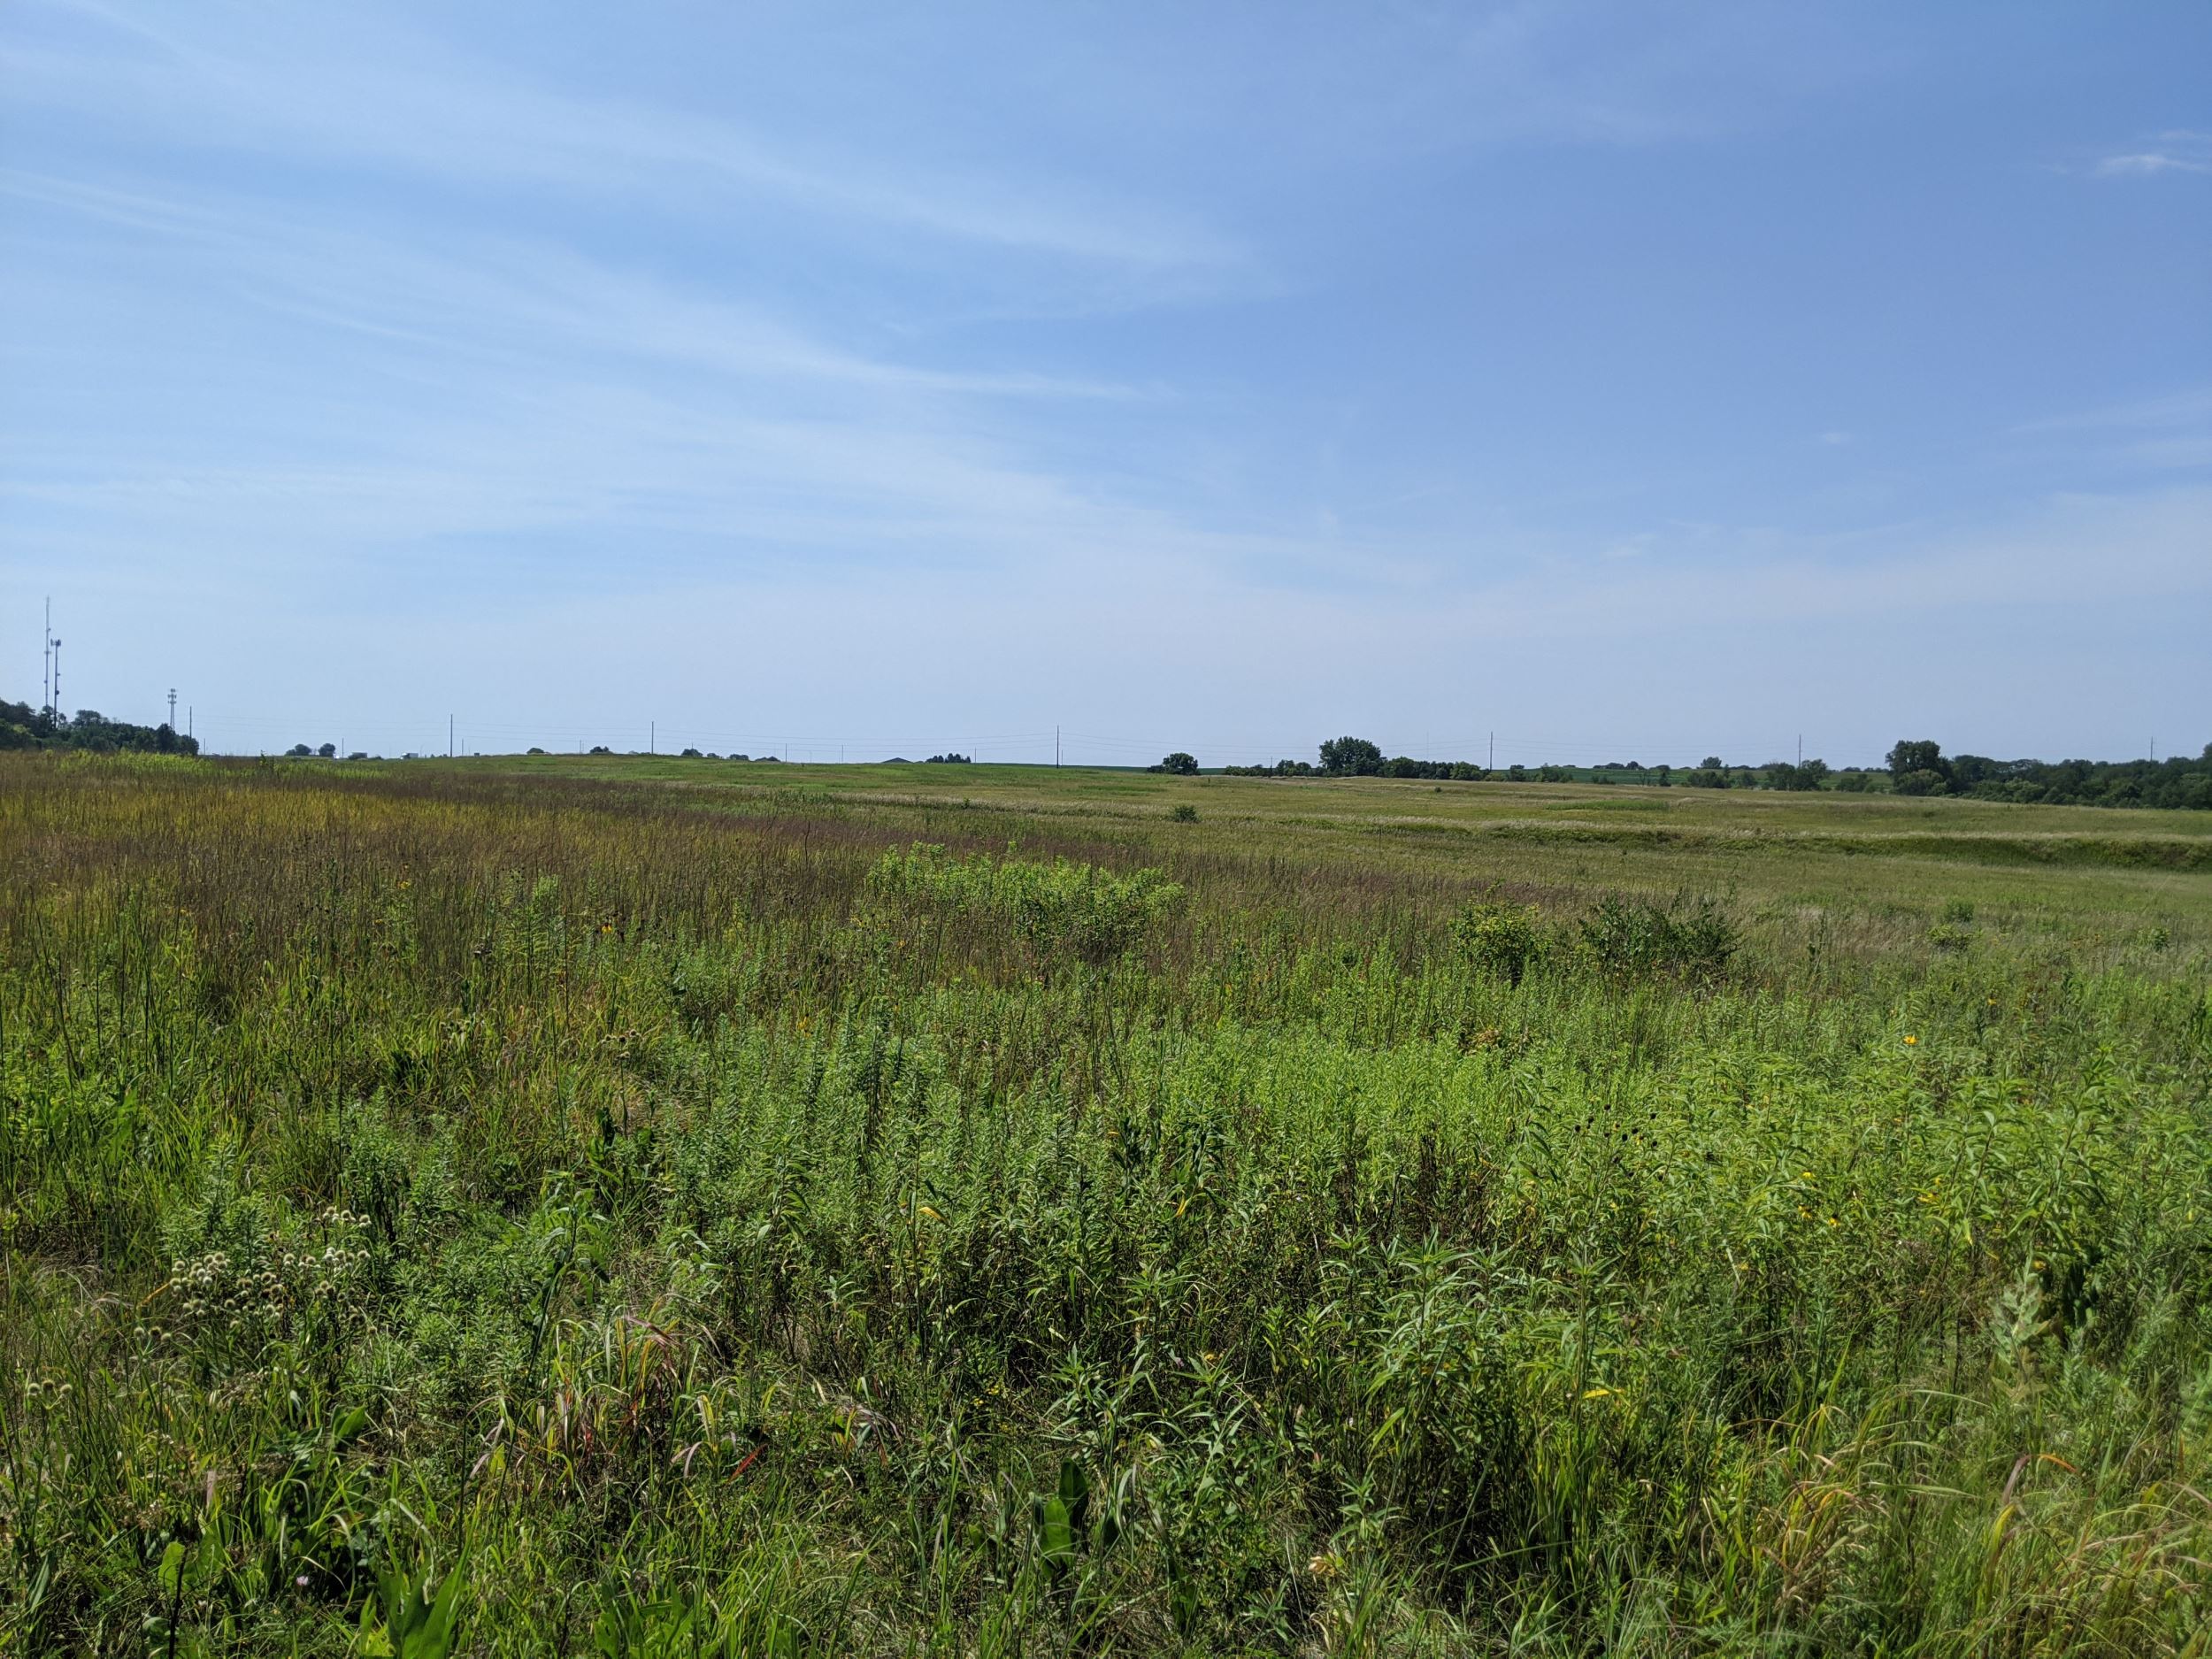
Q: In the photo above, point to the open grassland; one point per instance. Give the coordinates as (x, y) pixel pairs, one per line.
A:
(657, 1208)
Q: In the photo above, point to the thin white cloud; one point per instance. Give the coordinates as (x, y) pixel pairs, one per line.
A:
(367, 93)
(2174, 408)
(2176, 151)
(2172, 432)
(472, 297)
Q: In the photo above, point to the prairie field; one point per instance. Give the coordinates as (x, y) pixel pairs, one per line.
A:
(627, 1206)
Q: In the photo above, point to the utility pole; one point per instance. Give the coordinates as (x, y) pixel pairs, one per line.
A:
(1801, 749)
(1493, 766)
(448, 737)
(1056, 747)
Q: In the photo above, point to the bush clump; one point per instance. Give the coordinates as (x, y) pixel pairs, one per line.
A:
(1634, 938)
(1504, 939)
(1063, 908)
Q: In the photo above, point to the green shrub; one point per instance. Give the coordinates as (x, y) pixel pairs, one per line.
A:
(1950, 936)
(1063, 908)
(1501, 939)
(1627, 938)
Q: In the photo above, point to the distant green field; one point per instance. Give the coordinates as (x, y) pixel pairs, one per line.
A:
(629, 1206)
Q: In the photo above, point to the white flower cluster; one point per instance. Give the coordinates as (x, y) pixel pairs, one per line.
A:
(257, 1291)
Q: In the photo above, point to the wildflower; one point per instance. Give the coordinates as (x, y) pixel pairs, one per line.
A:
(1910, 1040)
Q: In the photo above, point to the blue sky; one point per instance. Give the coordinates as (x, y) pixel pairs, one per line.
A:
(1630, 380)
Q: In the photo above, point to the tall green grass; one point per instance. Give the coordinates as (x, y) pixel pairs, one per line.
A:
(458, 1213)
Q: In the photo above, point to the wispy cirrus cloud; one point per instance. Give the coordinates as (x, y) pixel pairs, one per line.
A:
(2172, 432)
(2179, 149)
(361, 90)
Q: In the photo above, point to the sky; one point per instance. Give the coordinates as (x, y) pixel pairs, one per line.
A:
(1637, 381)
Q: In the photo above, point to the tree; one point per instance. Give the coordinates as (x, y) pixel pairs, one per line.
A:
(1181, 764)
(1783, 774)
(328, 751)
(1908, 755)
(1350, 756)
(298, 752)
(1711, 763)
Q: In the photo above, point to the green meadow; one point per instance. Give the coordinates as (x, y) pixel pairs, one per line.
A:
(624, 1206)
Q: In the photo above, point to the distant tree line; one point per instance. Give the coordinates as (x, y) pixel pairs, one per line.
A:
(1713, 772)
(1920, 767)
(1913, 767)
(1358, 757)
(22, 727)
